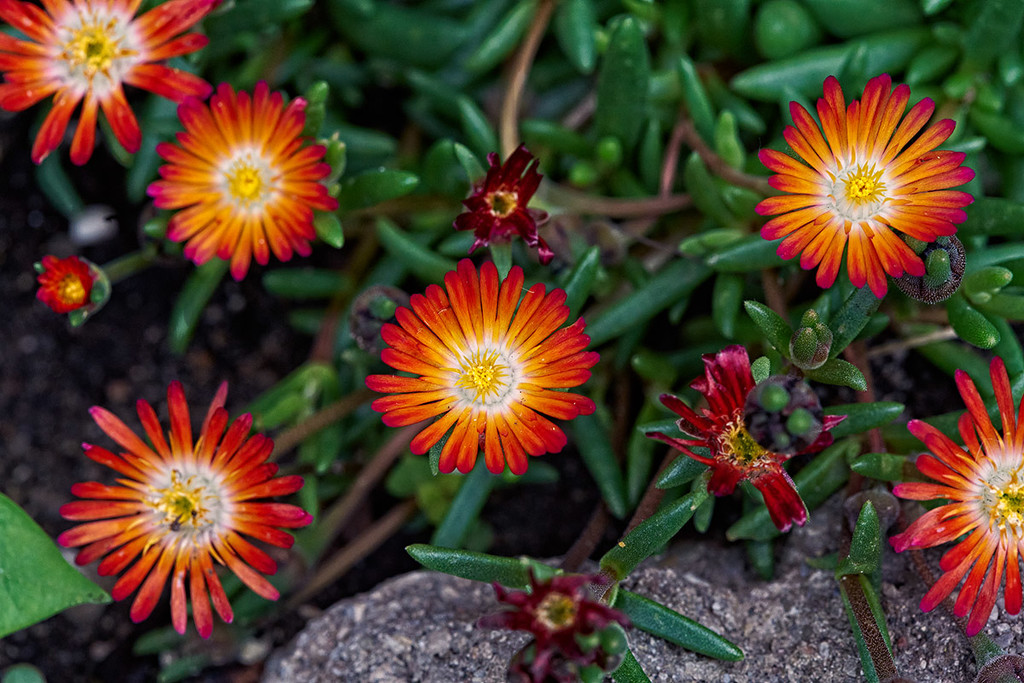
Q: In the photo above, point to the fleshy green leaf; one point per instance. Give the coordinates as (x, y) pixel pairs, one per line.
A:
(622, 83)
(656, 619)
(465, 508)
(596, 450)
(508, 571)
(192, 299)
(861, 417)
(776, 330)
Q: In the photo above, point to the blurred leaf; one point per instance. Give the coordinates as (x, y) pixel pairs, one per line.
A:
(422, 261)
(479, 132)
(22, 673)
(656, 619)
(696, 99)
(36, 581)
(746, 255)
(881, 466)
(575, 28)
(595, 447)
(407, 34)
(859, 17)
(54, 182)
(328, 229)
(375, 186)
(581, 280)
(622, 105)
(861, 417)
(995, 30)
(306, 283)
(192, 299)
(465, 509)
(503, 39)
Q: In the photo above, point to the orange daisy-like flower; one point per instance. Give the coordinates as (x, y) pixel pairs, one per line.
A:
(489, 365)
(179, 507)
(243, 179)
(983, 483)
(65, 284)
(870, 176)
(87, 50)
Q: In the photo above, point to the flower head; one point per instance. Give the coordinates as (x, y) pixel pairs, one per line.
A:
(244, 182)
(85, 52)
(869, 177)
(734, 454)
(497, 208)
(561, 613)
(181, 505)
(488, 366)
(65, 284)
(983, 484)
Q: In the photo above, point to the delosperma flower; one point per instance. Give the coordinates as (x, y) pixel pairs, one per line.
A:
(487, 366)
(180, 507)
(497, 208)
(242, 179)
(983, 484)
(734, 455)
(868, 174)
(65, 284)
(86, 51)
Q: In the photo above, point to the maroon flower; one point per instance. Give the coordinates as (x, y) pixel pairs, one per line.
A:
(497, 207)
(560, 613)
(734, 454)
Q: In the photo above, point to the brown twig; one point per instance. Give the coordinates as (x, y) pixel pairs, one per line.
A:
(323, 418)
(648, 505)
(519, 70)
(720, 166)
(583, 203)
(588, 539)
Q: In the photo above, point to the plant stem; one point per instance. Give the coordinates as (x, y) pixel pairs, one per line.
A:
(575, 201)
(520, 69)
(719, 166)
(131, 263)
(323, 418)
(588, 539)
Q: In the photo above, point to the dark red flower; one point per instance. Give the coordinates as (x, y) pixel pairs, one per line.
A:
(497, 208)
(734, 454)
(560, 613)
(65, 284)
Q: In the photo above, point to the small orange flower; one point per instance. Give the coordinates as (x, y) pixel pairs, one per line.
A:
(867, 178)
(983, 484)
(243, 179)
(87, 50)
(179, 507)
(65, 284)
(488, 367)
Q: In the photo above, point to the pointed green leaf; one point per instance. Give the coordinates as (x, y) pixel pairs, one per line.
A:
(508, 571)
(465, 508)
(837, 371)
(630, 671)
(596, 450)
(861, 417)
(656, 619)
(776, 330)
(575, 28)
(622, 83)
(192, 299)
(424, 262)
(375, 186)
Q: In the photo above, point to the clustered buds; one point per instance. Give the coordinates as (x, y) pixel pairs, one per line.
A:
(944, 262)
(783, 414)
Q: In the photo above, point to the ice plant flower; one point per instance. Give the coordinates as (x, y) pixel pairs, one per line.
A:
(242, 179)
(982, 483)
(870, 176)
(733, 454)
(65, 284)
(86, 51)
(180, 506)
(497, 207)
(561, 613)
(487, 365)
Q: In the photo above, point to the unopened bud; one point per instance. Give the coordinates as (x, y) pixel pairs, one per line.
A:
(790, 429)
(944, 261)
(811, 344)
(370, 310)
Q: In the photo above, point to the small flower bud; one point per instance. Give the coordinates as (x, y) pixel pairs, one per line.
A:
(811, 343)
(370, 310)
(335, 157)
(945, 262)
(791, 428)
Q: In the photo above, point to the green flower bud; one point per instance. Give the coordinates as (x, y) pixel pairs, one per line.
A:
(945, 261)
(810, 345)
(791, 429)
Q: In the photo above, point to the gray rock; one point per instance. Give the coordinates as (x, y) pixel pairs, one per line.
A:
(420, 627)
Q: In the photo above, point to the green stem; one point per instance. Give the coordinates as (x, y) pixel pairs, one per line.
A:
(125, 266)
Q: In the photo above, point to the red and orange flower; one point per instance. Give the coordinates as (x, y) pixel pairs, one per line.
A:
(181, 505)
(497, 208)
(65, 284)
(734, 455)
(86, 51)
(870, 176)
(983, 484)
(488, 366)
(242, 179)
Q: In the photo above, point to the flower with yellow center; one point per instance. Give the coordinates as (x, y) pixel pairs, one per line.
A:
(66, 284)
(983, 484)
(487, 366)
(732, 453)
(86, 51)
(866, 175)
(242, 180)
(180, 507)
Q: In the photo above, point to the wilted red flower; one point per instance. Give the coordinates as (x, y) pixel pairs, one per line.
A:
(488, 366)
(243, 179)
(89, 49)
(983, 483)
(734, 454)
(869, 177)
(179, 507)
(65, 284)
(497, 208)
(560, 613)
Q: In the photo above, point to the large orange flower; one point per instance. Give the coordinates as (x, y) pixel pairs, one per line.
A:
(869, 177)
(87, 50)
(488, 365)
(983, 484)
(179, 507)
(243, 178)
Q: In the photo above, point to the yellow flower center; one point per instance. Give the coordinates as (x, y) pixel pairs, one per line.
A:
(185, 503)
(94, 47)
(483, 375)
(503, 203)
(70, 290)
(737, 444)
(1008, 509)
(864, 185)
(557, 611)
(245, 182)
